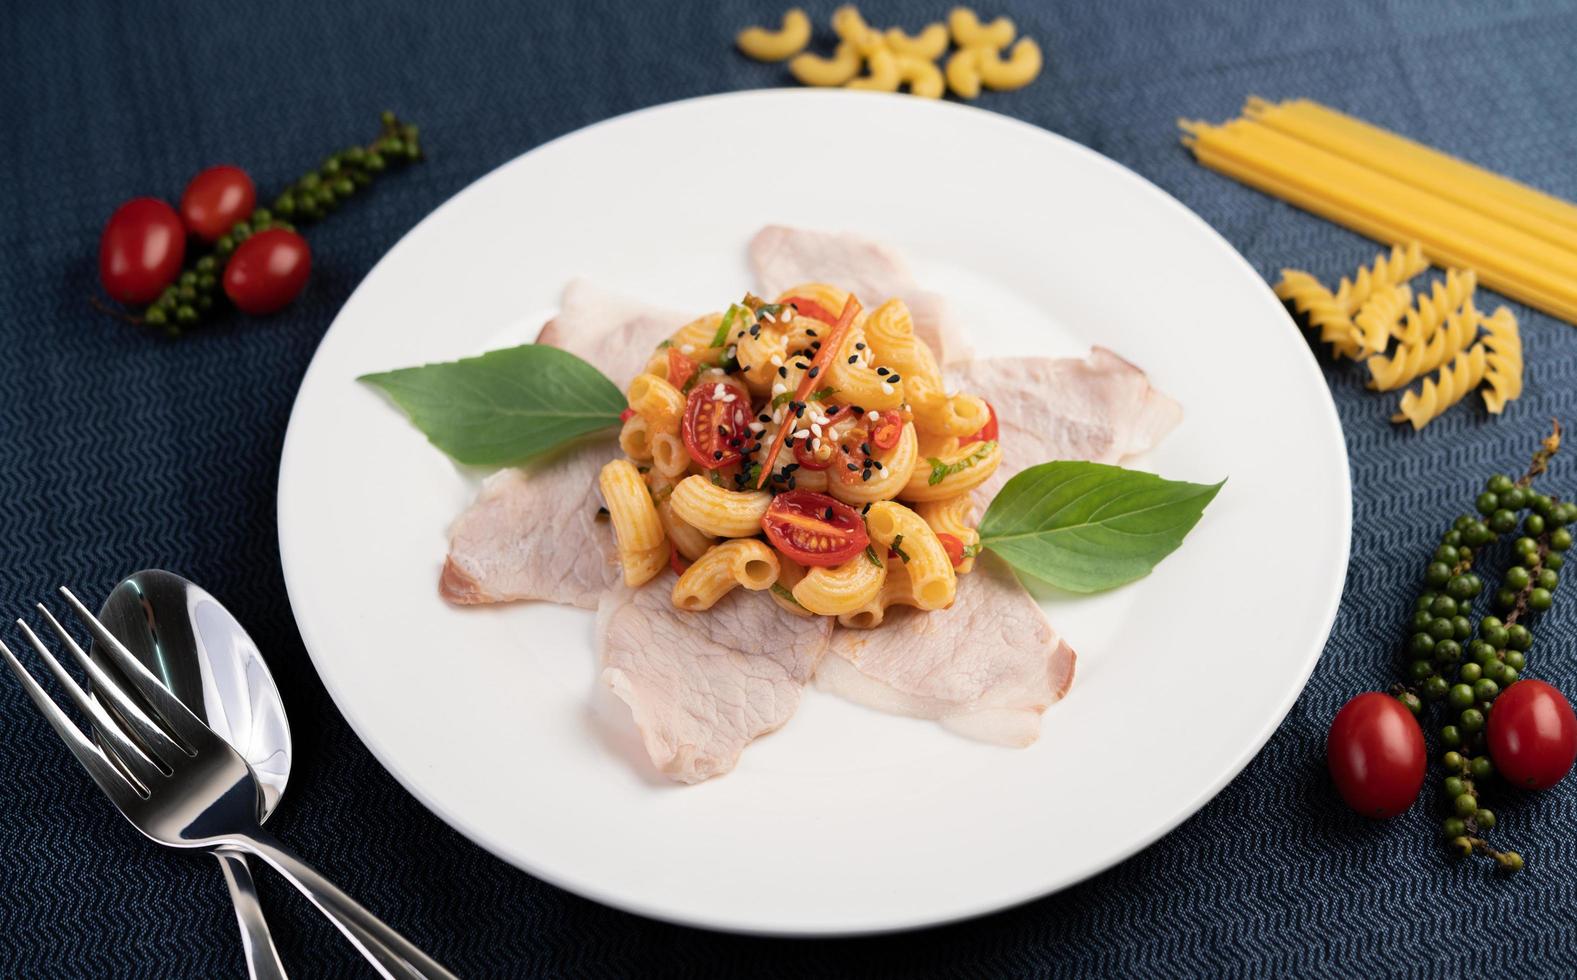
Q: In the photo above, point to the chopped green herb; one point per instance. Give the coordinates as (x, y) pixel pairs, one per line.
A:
(717, 479)
(819, 395)
(665, 345)
(870, 556)
(897, 549)
(720, 338)
(941, 471)
(779, 590)
(752, 474)
(971, 550)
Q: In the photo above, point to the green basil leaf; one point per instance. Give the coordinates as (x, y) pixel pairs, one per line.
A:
(505, 406)
(1086, 527)
(941, 471)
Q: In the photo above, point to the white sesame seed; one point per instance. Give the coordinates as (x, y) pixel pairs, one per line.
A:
(816, 445)
(815, 429)
(887, 388)
(788, 315)
(779, 388)
(758, 427)
(873, 416)
(719, 391)
(728, 398)
(767, 316)
(777, 360)
(883, 471)
(687, 349)
(731, 352)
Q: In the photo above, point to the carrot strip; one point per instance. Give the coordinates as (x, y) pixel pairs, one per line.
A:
(829, 350)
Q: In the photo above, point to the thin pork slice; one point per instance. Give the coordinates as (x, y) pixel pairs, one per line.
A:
(986, 667)
(1099, 408)
(532, 533)
(613, 333)
(703, 685)
(782, 257)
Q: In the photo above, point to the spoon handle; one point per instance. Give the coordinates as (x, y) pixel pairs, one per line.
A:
(390, 953)
(262, 959)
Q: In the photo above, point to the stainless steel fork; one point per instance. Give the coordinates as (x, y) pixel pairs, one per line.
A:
(184, 786)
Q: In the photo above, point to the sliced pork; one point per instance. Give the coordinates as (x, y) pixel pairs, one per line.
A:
(1099, 408)
(701, 686)
(985, 667)
(781, 257)
(532, 533)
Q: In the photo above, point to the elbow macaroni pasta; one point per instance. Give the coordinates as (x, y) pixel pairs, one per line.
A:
(966, 468)
(743, 562)
(896, 591)
(841, 588)
(955, 516)
(717, 511)
(930, 570)
(638, 531)
(658, 402)
(899, 463)
(789, 40)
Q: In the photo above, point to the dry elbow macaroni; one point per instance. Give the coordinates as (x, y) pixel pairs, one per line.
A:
(894, 59)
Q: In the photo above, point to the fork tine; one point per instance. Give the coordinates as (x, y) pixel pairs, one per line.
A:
(109, 779)
(182, 724)
(142, 769)
(161, 746)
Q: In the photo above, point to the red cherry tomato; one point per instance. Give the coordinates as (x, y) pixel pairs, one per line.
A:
(1532, 735)
(953, 547)
(811, 308)
(215, 200)
(716, 423)
(886, 430)
(814, 529)
(680, 368)
(140, 251)
(267, 271)
(1376, 754)
(987, 433)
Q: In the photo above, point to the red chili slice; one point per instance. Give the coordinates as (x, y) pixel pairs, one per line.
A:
(808, 458)
(814, 529)
(885, 433)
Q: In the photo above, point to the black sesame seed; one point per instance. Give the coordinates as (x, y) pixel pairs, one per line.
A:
(809, 332)
(800, 411)
(717, 455)
(865, 448)
(881, 370)
(894, 379)
(852, 467)
(791, 467)
(866, 475)
(763, 418)
(829, 513)
(860, 345)
(832, 411)
(853, 358)
(866, 509)
(857, 410)
(782, 372)
(815, 371)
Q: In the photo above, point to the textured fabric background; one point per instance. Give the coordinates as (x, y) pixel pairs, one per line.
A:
(119, 450)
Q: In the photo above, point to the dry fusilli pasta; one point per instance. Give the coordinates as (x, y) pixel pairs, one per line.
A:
(1325, 313)
(1447, 388)
(1504, 376)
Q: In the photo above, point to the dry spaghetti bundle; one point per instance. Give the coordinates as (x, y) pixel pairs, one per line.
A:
(1517, 240)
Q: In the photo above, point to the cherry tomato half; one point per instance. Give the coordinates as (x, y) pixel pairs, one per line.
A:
(814, 529)
(811, 308)
(1532, 735)
(1376, 754)
(215, 200)
(141, 250)
(680, 368)
(886, 430)
(716, 423)
(953, 547)
(267, 271)
(987, 433)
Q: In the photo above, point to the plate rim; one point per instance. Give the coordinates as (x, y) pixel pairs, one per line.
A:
(1002, 902)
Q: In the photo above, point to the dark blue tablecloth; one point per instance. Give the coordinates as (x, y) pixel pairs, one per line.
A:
(119, 450)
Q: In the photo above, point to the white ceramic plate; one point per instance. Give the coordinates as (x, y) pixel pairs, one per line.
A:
(846, 820)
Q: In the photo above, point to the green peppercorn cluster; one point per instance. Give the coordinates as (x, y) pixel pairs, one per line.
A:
(1463, 666)
(309, 199)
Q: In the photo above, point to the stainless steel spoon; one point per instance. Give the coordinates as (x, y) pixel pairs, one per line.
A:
(192, 643)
